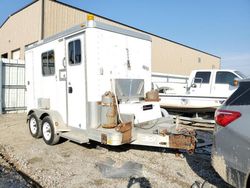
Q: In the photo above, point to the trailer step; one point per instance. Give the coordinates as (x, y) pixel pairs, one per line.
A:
(78, 136)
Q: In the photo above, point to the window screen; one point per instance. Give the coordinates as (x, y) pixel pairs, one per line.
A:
(225, 78)
(48, 63)
(202, 77)
(74, 52)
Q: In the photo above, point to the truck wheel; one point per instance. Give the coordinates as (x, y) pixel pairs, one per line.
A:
(34, 127)
(48, 132)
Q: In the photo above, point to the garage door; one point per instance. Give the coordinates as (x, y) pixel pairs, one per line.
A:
(16, 54)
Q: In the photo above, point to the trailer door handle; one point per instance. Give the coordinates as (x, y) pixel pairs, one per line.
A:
(70, 90)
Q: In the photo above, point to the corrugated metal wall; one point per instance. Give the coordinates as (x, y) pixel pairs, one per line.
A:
(172, 58)
(1, 104)
(21, 29)
(59, 17)
(25, 27)
(13, 85)
(167, 56)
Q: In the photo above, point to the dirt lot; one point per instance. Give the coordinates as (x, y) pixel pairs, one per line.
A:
(91, 165)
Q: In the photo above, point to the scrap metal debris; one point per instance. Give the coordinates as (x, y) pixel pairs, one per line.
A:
(139, 182)
(128, 169)
(198, 184)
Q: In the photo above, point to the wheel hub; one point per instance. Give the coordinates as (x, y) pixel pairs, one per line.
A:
(33, 126)
(46, 131)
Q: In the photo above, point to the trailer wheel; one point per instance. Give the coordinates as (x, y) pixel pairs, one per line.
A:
(48, 131)
(34, 127)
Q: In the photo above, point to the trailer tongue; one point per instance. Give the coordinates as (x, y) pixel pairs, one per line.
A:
(90, 83)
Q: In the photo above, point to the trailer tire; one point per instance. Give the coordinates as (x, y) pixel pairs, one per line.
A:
(48, 132)
(34, 126)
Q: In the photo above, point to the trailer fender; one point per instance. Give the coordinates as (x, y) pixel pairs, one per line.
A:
(59, 125)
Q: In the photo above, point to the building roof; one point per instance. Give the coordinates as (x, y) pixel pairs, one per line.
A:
(111, 21)
(18, 12)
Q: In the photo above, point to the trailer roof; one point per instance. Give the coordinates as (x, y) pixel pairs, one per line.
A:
(84, 26)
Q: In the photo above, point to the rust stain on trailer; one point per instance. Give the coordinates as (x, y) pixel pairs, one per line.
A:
(126, 130)
(104, 139)
(110, 109)
(181, 141)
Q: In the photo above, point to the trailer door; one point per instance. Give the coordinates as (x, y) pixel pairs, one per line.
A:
(76, 93)
(29, 70)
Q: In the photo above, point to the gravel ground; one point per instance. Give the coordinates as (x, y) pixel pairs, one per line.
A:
(9, 177)
(92, 165)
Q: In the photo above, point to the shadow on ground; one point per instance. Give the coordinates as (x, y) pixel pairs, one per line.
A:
(199, 163)
(11, 177)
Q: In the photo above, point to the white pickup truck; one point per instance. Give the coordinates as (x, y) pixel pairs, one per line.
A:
(204, 90)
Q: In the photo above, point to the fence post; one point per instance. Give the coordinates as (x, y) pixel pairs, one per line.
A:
(1, 86)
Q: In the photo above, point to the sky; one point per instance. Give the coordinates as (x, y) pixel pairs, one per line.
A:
(219, 27)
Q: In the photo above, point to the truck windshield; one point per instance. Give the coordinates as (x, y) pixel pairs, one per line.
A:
(240, 74)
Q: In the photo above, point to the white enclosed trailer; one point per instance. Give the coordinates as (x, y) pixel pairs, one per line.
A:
(89, 83)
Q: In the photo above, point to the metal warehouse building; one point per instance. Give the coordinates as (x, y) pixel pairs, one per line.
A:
(43, 18)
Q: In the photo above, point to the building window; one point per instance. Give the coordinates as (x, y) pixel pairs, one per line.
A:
(199, 60)
(225, 78)
(75, 52)
(4, 55)
(202, 77)
(48, 63)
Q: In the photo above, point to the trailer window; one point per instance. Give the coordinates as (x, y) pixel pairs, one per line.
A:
(225, 78)
(74, 52)
(202, 77)
(48, 63)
